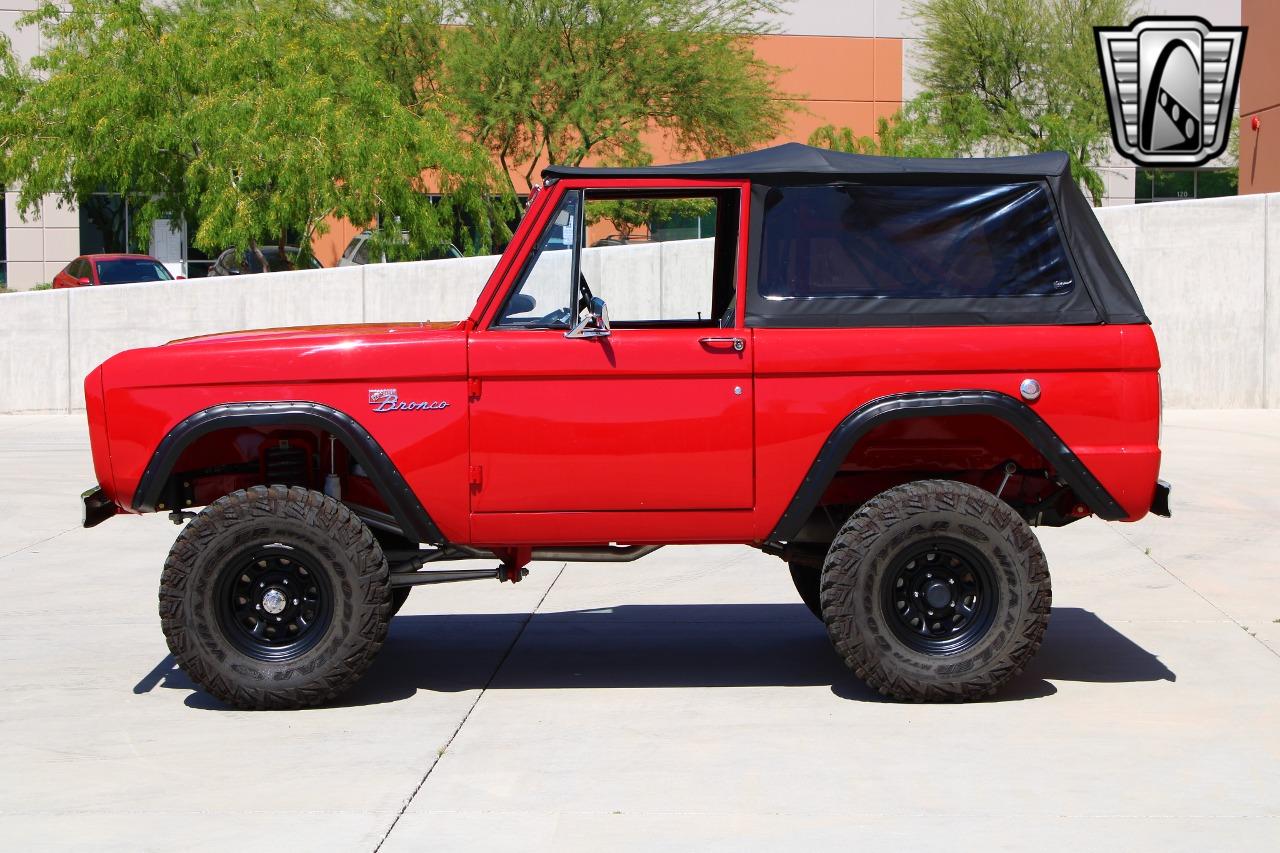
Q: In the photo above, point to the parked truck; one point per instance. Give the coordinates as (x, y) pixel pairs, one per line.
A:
(885, 372)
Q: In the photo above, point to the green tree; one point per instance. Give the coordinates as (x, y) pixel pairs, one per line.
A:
(926, 126)
(257, 119)
(562, 80)
(1005, 77)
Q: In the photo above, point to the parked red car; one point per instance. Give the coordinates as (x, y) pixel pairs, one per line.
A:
(885, 372)
(92, 270)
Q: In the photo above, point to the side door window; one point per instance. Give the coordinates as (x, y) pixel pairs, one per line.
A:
(659, 259)
(662, 259)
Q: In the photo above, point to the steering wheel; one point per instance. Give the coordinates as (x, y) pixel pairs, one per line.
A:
(560, 316)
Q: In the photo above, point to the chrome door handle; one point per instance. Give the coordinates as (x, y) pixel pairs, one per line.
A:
(738, 343)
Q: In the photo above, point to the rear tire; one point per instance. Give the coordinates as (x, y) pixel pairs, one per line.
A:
(808, 581)
(275, 597)
(936, 591)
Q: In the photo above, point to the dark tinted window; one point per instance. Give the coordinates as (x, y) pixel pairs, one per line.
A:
(277, 262)
(916, 242)
(362, 254)
(128, 270)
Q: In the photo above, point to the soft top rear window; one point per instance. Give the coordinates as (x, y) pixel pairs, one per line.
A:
(859, 241)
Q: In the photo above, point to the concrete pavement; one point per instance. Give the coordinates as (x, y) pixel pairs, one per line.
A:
(685, 702)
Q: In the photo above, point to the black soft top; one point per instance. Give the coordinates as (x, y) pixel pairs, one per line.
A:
(1107, 296)
(794, 160)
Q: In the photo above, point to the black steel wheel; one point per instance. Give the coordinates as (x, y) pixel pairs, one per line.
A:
(936, 590)
(275, 597)
(274, 603)
(939, 597)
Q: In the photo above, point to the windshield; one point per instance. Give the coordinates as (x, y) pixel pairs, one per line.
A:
(126, 270)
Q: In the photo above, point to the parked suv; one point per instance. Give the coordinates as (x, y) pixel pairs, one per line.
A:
(361, 251)
(236, 262)
(885, 372)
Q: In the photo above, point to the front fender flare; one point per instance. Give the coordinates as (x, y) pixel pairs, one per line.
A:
(401, 500)
(1017, 414)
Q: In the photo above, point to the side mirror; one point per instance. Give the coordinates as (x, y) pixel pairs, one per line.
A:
(595, 324)
(84, 280)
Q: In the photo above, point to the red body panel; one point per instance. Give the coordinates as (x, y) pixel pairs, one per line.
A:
(147, 396)
(1099, 392)
(649, 435)
(613, 423)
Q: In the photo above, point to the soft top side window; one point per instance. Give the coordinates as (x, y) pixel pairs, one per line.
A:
(875, 241)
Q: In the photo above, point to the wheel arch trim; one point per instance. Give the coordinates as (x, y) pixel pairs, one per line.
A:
(401, 500)
(845, 437)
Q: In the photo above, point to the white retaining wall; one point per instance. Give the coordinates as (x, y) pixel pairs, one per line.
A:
(1208, 273)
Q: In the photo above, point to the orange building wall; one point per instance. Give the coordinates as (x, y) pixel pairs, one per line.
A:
(848, 82)
(844, 81)
(1260, 97)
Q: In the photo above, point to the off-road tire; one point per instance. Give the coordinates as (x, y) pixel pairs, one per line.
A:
(913, 516)
(345, 556)
(808, 581)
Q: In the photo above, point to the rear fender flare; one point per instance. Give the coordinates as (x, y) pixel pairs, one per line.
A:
(401, 500)
(1017, 414)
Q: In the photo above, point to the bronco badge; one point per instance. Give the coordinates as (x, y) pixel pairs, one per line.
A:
(386, 400)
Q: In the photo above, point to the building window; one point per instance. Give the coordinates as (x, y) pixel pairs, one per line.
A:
(1178, 184)
(104, 224)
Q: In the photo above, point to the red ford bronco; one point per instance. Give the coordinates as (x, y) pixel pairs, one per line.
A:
(885, 372)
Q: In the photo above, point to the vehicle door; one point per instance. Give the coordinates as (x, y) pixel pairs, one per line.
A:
(618, 377)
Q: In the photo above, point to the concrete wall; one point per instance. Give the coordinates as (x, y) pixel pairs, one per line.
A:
(1208, 273)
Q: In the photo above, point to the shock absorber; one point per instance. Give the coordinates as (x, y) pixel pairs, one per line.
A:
(333, 483)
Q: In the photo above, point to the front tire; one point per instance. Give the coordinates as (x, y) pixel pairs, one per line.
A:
(936, 591)
(275, 597)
